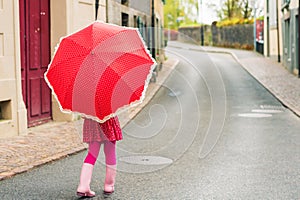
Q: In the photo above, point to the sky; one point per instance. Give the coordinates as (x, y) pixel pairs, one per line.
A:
(209, 14)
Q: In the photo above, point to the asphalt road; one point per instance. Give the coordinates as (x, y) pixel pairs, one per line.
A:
(211, 132)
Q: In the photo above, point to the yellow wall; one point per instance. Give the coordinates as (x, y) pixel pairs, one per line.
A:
(13, 119)
(273, 36)
(68, 16)
(159, 10)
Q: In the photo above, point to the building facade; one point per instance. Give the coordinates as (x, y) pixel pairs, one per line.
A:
(282, 33)
(13, 114)
(146, 15)
(29, 33)
(159, 34)
(290, 34)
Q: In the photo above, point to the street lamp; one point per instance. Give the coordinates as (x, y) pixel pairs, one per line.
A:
(253, 3)
(96, 9)
(278, 40)
(169, 30)
(170, 22)
(200, 19)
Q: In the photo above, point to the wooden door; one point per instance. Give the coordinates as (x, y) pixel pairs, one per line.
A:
(35, 57)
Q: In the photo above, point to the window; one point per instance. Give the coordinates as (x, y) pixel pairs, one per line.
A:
(124, 19)
(286, 1)
(5, 110)
(124, 2)
(135, 24)
(285, 4)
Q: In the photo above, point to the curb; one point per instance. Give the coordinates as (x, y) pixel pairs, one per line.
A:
(282, 100)
(22, 169)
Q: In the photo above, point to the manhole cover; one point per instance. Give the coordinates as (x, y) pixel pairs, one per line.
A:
(266, 111)
(255, 115)
(146, 160)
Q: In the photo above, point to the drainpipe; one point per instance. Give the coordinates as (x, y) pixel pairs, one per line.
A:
(298, 39)
(106, 6)
(153, 52)
(96, 8)
(268, 29)
(278, 35)
(254, 29)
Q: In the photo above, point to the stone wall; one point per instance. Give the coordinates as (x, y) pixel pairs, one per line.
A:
(236, 36)
(193, 34)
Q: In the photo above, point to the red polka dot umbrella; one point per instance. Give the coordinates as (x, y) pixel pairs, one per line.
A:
(100, 70)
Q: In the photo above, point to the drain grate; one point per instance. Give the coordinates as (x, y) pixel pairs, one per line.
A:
(146, 160)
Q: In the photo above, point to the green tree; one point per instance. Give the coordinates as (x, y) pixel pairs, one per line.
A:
(173, 12)
(246, 9)
(233, 9)
(177, 12)
(191, 10)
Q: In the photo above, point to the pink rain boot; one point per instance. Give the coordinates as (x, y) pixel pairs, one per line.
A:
(83, 189)
(111, 171)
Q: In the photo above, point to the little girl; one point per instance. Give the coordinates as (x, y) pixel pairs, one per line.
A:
(95, 134)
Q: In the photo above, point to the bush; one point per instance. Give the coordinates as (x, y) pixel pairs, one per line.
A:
(234, 21)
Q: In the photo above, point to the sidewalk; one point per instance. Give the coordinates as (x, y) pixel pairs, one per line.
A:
(55, 140)
(271, 74)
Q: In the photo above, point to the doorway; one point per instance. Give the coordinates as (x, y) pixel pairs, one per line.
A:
(287, 44)
(35, 57)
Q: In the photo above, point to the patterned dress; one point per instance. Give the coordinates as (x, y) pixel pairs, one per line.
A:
(99, 132)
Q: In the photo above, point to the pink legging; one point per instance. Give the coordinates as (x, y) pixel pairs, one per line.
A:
(109, 151)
